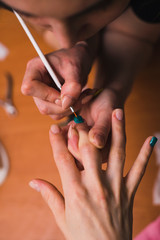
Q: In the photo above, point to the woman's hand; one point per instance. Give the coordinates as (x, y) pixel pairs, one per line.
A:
(72, 67)
(97, 204)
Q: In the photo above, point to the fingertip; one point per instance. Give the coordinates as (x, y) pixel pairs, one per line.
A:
(34, 184)
(55, 129)
(148, 146)
(150, 142)
(26, 89)
(98, 140)
(118, 114)
(153, 141)
(40, 185)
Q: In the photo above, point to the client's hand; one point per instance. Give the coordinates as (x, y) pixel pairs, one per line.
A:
(97, 204)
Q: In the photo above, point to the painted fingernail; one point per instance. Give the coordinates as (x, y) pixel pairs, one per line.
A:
(55, 129)
(66, 102)
(119, 114)
(153, 141)
(78, 119)
(34, 185)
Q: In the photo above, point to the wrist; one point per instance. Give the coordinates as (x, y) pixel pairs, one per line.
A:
(90, 47)
(83, 48)
(112, 98)
(118, 96)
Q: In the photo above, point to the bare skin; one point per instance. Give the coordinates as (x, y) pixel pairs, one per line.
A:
(104, 30)
(111, 33)
(80, 21)
(97, 204)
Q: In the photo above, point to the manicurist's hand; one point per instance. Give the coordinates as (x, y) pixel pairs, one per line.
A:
(98, 115)
(72, 67)
(96, 203)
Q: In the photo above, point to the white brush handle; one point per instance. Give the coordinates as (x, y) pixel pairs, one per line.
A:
(41, 55)
(38, 50)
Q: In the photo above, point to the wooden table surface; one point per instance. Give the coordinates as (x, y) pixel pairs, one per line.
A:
(23, 214)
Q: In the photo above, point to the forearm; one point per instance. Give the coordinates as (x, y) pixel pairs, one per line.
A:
(123, 54)
(120, 62)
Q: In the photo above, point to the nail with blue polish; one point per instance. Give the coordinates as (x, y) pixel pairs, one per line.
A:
(153, 141)
(78, 119)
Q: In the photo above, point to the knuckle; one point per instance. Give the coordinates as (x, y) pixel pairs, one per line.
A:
(31, 63)
(68, 62)
(100, 194)
(87, 148)
(119, 153)
(47, 97)
(63, 158)
(101, 200)
(79, 194)
(72, 66)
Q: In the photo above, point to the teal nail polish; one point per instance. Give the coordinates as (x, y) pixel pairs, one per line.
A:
(78, 119)
(153, 141)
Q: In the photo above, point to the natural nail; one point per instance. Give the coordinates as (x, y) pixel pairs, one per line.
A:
(34, 185)
(55, 129)
(153, 141)
(99, 140)
(58, 102)
(119, 114)
(72, 132)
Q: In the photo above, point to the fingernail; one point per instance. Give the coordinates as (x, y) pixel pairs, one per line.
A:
(58, 102)
(153, 141)
(72, 132)
(99, 140)
(34, 185)
(55, 129)
(66, 102)
(119, 114)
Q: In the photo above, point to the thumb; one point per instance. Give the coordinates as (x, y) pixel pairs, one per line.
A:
(53, 198)
(99, 132)
(70, 92)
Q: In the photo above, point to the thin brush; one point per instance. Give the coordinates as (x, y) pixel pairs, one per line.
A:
(41, 55)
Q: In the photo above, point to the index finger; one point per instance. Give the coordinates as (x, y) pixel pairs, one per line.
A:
(63, 158)
(37, 82)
